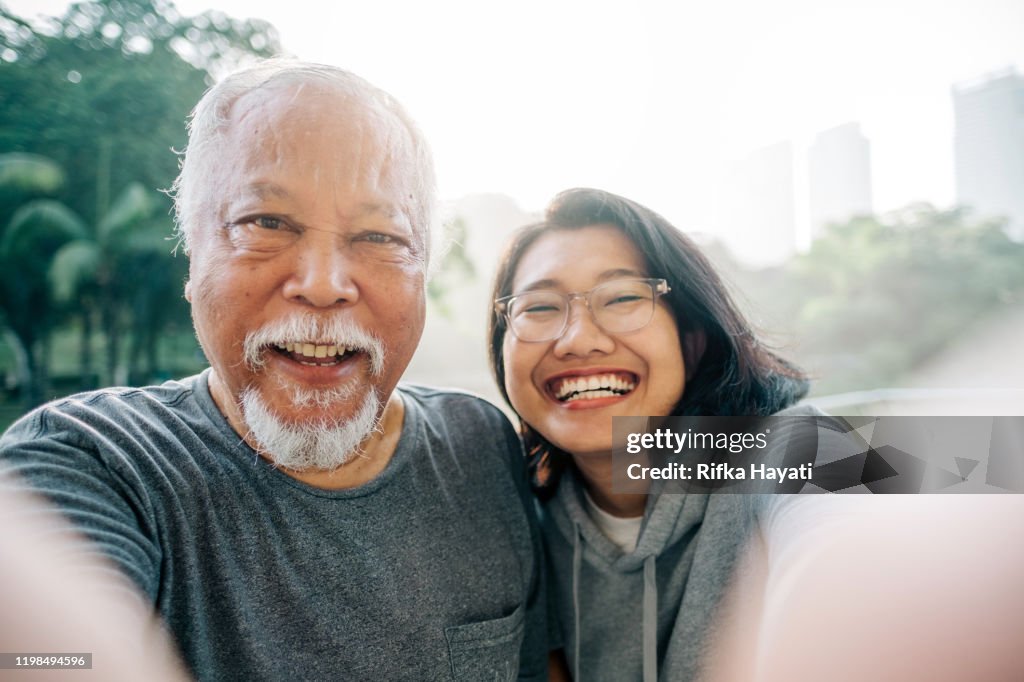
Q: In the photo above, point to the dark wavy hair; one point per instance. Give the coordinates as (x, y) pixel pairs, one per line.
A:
(737, 375)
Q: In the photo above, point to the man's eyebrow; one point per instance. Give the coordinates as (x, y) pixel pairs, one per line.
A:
(268, 190)
(385, 209)
(264, 190)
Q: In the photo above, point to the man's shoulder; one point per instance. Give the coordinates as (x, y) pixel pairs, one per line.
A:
(114, 406)
(462, 423)
(452, 403)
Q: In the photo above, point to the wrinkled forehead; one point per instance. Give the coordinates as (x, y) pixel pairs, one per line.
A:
(316, 140)
(284, 113)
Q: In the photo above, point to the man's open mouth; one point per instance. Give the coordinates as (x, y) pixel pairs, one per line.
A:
(568, 389)
(314, 354)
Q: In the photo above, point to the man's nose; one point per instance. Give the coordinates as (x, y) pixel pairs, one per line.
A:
(322, 276)
(582, 336)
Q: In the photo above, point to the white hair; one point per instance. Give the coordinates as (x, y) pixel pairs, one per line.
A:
(335, 330)
(211, 116)
(327, 442)
(324, 444)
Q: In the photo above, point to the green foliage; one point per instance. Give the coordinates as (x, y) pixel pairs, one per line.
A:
(92, 107)
(38, 228)
(27, 174)
(72, 268)
(32, 237)
(456, 269)
(28, 236)
(105, 89)
(133, 206)
(876, 296)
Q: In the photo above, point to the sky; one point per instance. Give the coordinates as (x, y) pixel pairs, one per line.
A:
(655, 100)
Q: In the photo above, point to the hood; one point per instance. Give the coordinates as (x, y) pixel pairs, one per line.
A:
(667, 519)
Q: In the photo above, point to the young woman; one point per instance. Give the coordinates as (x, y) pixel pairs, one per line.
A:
(605, 309)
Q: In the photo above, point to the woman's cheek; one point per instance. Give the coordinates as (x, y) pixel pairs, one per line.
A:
(519, 366)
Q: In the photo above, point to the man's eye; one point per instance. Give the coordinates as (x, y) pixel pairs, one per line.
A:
(378, 238)
(262, 233)
(267, 223)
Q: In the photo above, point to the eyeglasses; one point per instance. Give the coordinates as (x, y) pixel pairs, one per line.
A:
(622, 305)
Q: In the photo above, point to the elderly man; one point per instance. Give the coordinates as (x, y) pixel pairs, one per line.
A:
(290, 512)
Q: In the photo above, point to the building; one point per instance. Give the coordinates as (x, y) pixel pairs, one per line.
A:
(838, 177)
(989, 147)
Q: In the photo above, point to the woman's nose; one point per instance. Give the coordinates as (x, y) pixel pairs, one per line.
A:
(582, 336)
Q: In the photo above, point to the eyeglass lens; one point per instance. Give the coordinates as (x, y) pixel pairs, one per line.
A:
(617, 306)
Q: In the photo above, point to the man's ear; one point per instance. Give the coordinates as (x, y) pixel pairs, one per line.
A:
(188, 290)
(694, 344)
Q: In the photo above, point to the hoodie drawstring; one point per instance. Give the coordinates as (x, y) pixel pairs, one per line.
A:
(577, 556)
(650, 618)
(650, 611)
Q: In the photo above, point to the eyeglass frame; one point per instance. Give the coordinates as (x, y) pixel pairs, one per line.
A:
(659, 287)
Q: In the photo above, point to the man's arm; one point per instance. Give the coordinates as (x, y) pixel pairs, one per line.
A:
(533, 657)
(61, 598)
(82, 473)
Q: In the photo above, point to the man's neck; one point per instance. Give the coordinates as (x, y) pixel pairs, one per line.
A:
(376, 452)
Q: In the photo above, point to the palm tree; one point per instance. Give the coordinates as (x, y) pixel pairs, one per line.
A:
(31, 230)
(28, 174)
(116, 275)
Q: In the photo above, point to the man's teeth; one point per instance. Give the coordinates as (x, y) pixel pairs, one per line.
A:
(594, 386)
(312, 350)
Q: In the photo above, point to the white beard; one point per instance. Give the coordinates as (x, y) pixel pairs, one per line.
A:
(322, 444)
(319, 445)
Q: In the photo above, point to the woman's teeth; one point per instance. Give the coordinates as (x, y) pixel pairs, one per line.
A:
(592, 387)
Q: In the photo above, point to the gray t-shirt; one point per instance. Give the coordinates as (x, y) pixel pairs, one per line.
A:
(431, 571)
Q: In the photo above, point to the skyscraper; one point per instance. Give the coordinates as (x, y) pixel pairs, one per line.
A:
(989, 147)
(838, 176)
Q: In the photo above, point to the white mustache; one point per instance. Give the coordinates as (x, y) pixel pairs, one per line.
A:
(339, 331)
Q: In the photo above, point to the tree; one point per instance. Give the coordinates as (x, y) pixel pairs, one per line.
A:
(112, 271)
(456, 269)
(23, 177)
(878, 295)
(33, 234)
(103, 92)
(105, 89)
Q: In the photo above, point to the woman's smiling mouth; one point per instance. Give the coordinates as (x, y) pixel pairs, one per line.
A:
(569, 388)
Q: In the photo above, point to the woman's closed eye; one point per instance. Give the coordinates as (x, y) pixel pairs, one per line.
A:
(542, 308)
(625, 298)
